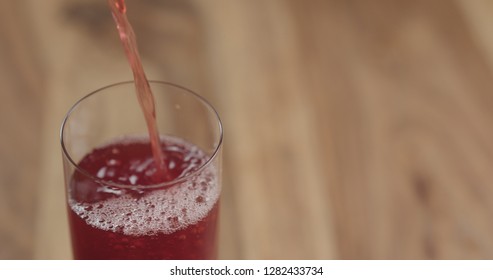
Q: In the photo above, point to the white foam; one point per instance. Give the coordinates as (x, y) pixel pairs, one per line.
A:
(101, 172)
(164, 210)
(133, 179)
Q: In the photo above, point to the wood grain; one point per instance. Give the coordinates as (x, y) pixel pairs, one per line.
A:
(353, 129)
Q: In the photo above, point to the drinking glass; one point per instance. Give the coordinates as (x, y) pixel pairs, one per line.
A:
(117, 218)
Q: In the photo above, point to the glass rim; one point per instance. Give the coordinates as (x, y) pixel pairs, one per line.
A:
(175, 181)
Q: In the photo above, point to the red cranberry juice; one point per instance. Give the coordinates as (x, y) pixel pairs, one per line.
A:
(138, 222)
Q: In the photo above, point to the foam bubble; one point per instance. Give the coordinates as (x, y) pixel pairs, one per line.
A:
(162, 210)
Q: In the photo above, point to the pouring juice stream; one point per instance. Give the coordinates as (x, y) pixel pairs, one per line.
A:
(142, 87)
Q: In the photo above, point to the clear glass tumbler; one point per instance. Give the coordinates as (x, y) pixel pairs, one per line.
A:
(117, 210)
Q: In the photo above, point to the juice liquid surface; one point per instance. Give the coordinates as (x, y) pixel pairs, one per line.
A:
(172, 222)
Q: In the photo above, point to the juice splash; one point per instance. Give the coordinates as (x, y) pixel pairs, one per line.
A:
(143, 89)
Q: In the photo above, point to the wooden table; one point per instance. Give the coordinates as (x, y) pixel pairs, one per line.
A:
(353, 129)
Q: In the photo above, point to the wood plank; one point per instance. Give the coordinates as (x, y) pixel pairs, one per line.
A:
(401, 92)
(21, 89)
